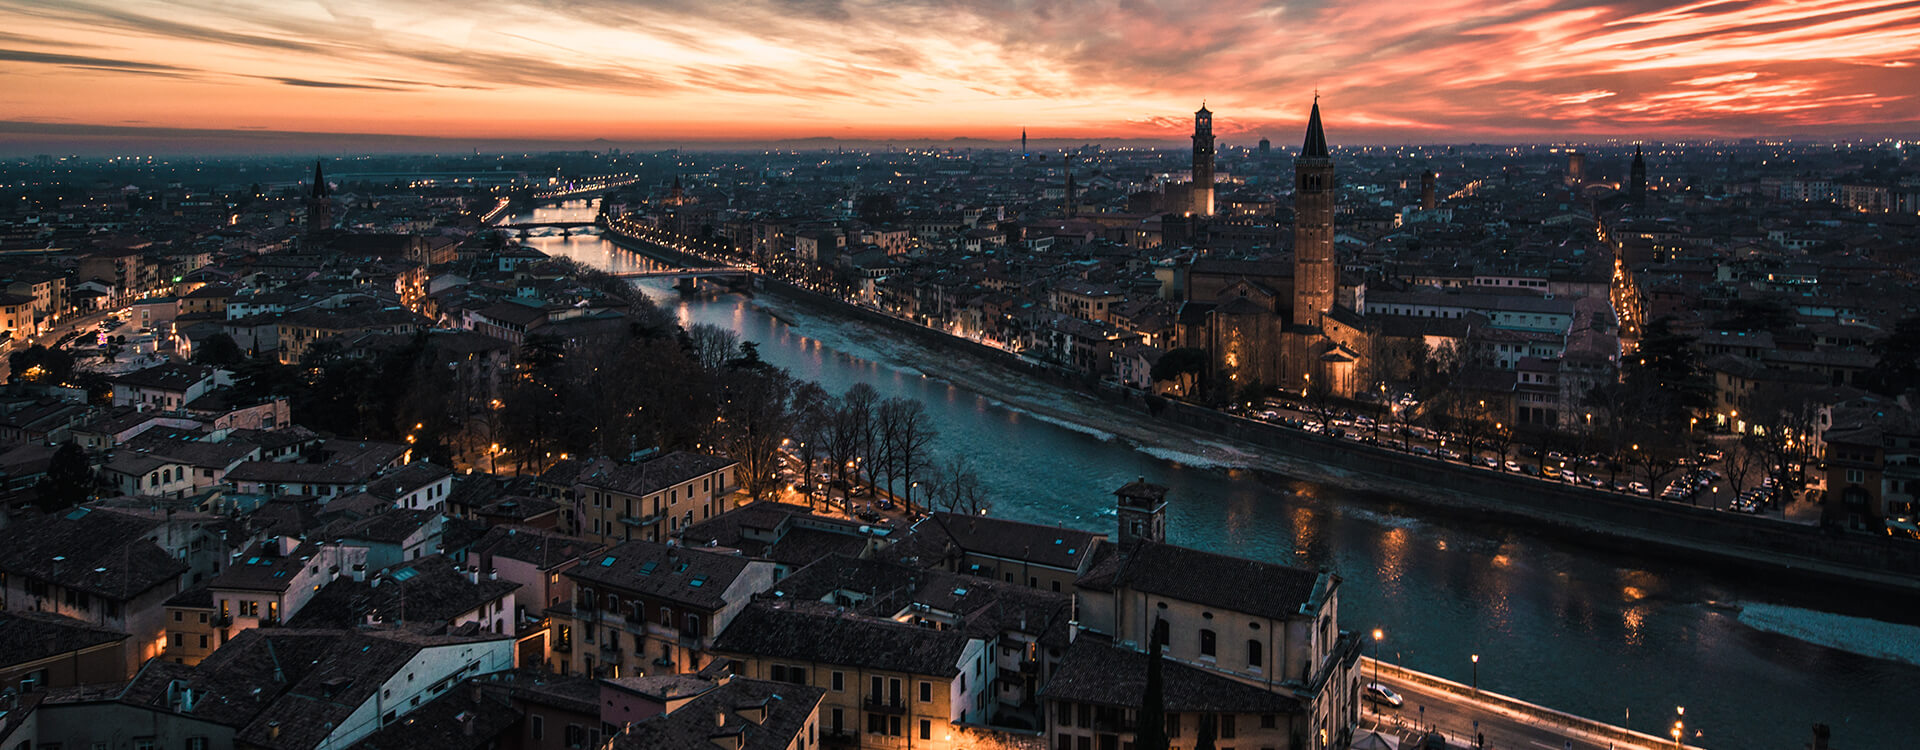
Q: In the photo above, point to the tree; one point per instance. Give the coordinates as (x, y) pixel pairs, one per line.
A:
(954, 486)
(757, 417)
(1205, 736)
(841, 443)
(909, 432)
(1150, 732)
(218, 350)
(38, 364)
(862, 404)
(812, 421)
(1898, 368)
(1663, 374)
(1184, 367)
(69, 480)
(1320, 402)
(711, 346)
(1742, 457)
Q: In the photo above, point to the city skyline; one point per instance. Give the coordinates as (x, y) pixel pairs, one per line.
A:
(300, 75)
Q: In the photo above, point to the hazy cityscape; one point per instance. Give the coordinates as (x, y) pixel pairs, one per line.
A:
(564, 378)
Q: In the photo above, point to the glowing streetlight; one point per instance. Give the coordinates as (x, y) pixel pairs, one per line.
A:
(1377, 636)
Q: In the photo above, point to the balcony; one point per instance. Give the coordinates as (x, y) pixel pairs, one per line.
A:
(883, 705)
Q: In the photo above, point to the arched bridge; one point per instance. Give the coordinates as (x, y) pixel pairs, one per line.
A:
(545, 224)
(688, 273)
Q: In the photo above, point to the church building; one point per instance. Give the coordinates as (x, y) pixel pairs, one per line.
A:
(1260, 325)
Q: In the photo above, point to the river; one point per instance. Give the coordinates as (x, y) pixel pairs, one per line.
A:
(1584, 630)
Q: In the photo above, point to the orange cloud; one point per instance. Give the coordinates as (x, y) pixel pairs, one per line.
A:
(694, 70)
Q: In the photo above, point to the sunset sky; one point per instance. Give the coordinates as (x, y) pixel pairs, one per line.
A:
(746, 70)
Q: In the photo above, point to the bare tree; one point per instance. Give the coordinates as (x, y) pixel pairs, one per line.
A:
(1742, 458)
(861, 404)
(711, 346)
(913, 436)
(812, 422)
(841, 444)
(953, 486)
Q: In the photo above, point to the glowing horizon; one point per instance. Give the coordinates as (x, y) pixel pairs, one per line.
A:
(760, 70)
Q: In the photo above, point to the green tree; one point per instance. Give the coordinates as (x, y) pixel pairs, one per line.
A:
(1664, 374)
(38, 364)
(1898, 369)
(69, 480)
(1184, 366)
(218, 350)
(1151, 731)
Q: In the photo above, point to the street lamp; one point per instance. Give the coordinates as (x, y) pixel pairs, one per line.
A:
(1476, 674)
(1377, 635)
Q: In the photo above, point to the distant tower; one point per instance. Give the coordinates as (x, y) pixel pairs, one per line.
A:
(676, 195)
(1023, 145)
(1070, 191)
(1202, 162)
(1266, 149)
(319, 202)
(1428, 200)
(1637, 187)
(1314, 273)
(1576, 167)
(1143, 512)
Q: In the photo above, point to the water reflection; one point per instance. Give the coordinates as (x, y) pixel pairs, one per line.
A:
(1589, 632)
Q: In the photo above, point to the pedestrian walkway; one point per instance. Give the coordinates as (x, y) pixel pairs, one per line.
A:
(1467, 717)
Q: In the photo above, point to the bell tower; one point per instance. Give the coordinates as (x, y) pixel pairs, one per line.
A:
(1143, 512)
(1202, 162)
(319, 202)
(1314, 272)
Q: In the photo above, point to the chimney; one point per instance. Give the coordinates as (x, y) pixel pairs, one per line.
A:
(273, 730)
(719, 718)
(1821, 734)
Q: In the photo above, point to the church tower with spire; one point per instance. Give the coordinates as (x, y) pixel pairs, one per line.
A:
(1637, 186)
(1202, 192)
(1315, 274)
(319, 203)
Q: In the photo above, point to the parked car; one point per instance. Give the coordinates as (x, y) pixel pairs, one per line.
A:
(1421, 450)
(1384, 695)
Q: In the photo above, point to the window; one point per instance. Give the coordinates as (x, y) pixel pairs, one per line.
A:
(576, 735)
(196, 743)
(926, 729)
(926, 692)
(143, 743)
(1226, 726)
(1173, 726)
(1253, 655)
(1206, 643)
(1267, 721)
(839, 682)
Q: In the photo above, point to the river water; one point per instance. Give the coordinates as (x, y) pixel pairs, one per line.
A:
(1589, 631)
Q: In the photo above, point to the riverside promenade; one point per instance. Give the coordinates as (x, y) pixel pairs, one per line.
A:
(1463, 715)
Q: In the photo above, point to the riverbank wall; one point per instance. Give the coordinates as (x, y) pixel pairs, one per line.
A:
(1582, 515)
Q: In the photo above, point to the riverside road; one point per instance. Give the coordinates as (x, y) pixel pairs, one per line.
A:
(1588, 632)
